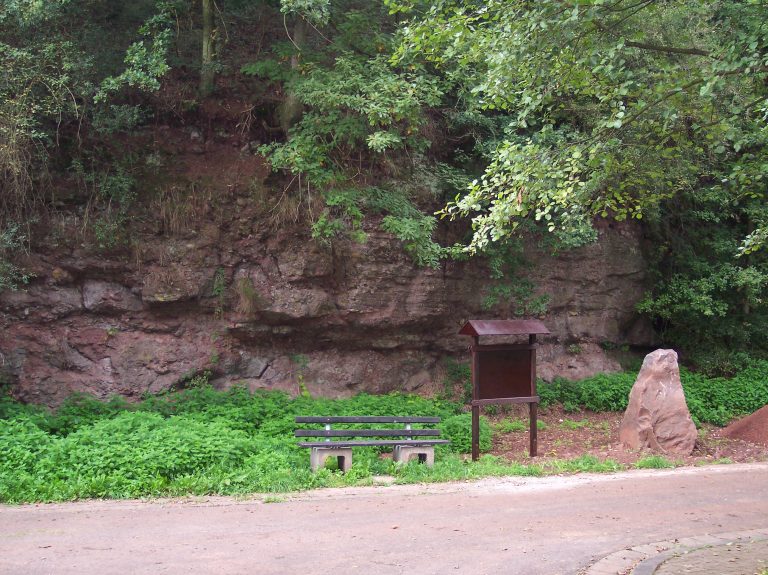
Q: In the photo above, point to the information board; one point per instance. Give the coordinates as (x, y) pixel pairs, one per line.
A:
(505, 373)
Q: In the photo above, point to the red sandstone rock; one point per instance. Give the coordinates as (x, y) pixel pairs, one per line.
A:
(362, 314)
(657, 416)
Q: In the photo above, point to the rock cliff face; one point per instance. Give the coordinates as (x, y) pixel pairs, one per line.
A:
(213, 288)
(274, 310)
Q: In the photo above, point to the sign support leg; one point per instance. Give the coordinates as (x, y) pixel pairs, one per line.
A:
(534, 412)
(475, 432)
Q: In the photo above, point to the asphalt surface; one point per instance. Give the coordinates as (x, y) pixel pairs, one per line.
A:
(745, 556)
(529, 526)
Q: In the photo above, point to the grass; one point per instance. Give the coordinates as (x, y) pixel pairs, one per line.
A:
(654, 462)
(719, 461)
(584, 464)
(573, 425)
(517, 426)
(511, 426)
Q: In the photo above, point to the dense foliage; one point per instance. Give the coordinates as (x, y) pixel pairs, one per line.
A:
(198, 441)
(201, 441)
(715, 400)
(517, 117)
(611, 105)
(622, 109)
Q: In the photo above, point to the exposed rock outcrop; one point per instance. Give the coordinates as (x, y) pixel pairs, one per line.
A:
(657, 416)
(233, 297)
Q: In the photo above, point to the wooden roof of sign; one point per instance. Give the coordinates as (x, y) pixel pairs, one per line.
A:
(477, 327)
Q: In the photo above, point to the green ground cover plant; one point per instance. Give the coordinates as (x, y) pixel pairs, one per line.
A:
(196, 441)
(511, 426)
(573, 424)
(715, 400)
(201, 441)
(459, 430)
(654, 462)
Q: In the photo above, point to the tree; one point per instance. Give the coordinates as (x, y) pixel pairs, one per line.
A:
(612, 105)
(304, 13)
(207, 69)
(623, 109)
(40, 75)
(51, 80)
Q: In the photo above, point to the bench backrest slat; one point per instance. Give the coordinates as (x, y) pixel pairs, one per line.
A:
(366, 419)
(376, 442)
(367, 432)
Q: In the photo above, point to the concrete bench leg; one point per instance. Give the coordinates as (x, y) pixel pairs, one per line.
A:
(318, 455)
(404, 453)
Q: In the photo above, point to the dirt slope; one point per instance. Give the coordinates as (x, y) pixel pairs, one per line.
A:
(753, 428)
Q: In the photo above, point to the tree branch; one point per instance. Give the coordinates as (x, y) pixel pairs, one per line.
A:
(668, 49)
(654, 47)
(614, 7)
(680, 89)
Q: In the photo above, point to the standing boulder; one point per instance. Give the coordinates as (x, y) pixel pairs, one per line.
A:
(657, 416)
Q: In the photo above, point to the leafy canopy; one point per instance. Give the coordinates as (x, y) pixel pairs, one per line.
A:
(612, 105)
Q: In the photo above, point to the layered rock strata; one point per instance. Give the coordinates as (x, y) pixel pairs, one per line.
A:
(270, 310)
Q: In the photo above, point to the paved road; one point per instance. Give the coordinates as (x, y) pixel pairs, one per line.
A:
(748, 557)
(512, 526)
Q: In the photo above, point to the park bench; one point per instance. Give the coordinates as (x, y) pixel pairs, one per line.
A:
(406, 442)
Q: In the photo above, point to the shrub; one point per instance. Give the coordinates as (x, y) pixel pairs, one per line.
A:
(22, 443)
(718, 400)
(558, 391)
(11, 245)
(140, 446)
(81, 410)
(195, 441)
(714, 400)
(604, 392)
(202, 441)
(607, 392)
(458, 380)
(10, 408)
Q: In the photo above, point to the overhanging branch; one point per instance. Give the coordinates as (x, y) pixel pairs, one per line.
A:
(667, 49)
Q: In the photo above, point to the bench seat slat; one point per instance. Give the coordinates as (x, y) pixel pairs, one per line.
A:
(366, 419)
(332, 444)
(366, 432)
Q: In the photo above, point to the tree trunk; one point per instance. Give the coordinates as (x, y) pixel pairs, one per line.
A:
(207, 71)
(745, 307)
(291, 108)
